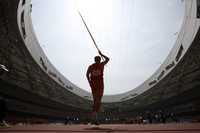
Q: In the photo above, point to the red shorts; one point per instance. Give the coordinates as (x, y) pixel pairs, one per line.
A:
(97, 87)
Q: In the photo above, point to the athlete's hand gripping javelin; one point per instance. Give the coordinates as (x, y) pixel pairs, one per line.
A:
(104, 58)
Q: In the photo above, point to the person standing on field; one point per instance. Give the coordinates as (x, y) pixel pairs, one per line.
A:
(95, 79)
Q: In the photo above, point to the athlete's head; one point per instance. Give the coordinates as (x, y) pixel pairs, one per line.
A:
(97, 59)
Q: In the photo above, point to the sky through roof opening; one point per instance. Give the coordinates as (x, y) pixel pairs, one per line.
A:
(137, 35)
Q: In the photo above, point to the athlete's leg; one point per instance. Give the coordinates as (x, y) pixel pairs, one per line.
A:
(100, 95)
(97, 103)
(94, 110)
(97, 92)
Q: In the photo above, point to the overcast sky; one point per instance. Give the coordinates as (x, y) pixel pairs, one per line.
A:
(137, 35)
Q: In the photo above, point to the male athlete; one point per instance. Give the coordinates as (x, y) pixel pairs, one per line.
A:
(95, 79)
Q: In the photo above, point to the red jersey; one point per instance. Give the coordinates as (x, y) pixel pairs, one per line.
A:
(96, 70)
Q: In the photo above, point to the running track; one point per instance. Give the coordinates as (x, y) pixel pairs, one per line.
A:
(110, 128)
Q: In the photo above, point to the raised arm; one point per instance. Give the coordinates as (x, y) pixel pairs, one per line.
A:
(105, 57)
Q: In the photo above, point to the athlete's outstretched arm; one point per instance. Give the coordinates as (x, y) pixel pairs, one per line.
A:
(105, 57)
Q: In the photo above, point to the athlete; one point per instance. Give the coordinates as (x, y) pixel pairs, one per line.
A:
(95, 79)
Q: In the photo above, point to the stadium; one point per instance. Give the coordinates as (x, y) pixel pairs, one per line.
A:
(36, 92)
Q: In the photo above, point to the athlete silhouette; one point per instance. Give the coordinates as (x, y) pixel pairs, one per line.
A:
(95, 79)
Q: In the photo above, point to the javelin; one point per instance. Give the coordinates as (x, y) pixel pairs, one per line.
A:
(88, 31)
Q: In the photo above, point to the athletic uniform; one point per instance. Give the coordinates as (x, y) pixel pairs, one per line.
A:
(96, 84)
